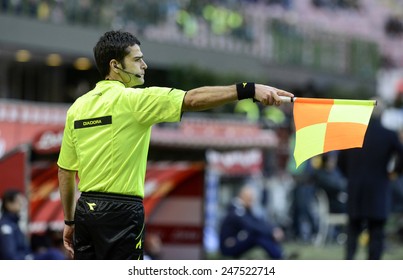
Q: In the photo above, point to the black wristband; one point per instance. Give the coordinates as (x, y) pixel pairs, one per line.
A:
(69, 223)
(245, 90)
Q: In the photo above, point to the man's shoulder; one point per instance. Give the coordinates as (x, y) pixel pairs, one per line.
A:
(237, 209)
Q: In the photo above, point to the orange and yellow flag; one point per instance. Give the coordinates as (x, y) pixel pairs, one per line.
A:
(323, 125)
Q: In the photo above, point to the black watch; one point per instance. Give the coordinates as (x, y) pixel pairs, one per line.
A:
(69, 223)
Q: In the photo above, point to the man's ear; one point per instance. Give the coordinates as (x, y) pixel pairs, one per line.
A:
(114, 65)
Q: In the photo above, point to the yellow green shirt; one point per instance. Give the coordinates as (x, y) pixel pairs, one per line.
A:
(107, 135)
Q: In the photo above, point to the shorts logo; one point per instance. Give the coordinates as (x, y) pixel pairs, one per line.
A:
(93, 122)
(138, 245)
(91, 205)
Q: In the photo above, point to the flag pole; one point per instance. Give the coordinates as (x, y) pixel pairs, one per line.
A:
(287, 99)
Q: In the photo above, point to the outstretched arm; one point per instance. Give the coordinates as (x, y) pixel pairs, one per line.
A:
(208, 97)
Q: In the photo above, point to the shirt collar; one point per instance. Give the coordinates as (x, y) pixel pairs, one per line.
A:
(114, 82)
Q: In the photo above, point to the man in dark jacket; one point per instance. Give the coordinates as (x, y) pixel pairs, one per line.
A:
(241, 230)
(369, 190)
(13, 243)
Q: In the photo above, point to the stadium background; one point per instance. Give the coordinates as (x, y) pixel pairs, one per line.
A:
(316, 48)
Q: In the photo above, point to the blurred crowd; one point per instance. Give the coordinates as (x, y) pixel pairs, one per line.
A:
(291, 201)
(248, 21)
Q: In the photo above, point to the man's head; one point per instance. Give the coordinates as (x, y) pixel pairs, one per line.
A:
(247, 196)
(118, 57)
(12, 201)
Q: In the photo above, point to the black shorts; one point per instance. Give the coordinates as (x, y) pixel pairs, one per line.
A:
(108, 227)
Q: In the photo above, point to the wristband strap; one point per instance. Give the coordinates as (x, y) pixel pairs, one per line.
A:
(69, 223)
(245, 90)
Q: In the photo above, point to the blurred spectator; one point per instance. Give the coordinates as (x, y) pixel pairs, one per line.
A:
(340, 4)
(304, 218)
(393, 116)
(393, 26)
(369, 189)
(241, 230)
(152, 247)
(43, 11)
(13, 242)
(287, 4)
(328, 177)
(48, 246)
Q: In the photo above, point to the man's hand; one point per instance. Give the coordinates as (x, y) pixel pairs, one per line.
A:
(278, 234)
(68, 233)
(268, 95)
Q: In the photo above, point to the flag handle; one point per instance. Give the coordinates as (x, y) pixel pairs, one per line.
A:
(287, 99)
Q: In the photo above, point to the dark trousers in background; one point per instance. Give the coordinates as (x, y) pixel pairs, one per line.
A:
(376, 233)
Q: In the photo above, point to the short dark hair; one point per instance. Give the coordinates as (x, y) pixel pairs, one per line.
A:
(8, 196)
(112, 45)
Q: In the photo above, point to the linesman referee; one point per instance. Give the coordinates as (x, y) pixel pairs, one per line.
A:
(106, 140)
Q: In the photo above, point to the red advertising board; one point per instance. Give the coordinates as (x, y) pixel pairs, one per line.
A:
(21, 122)
(14, 170)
